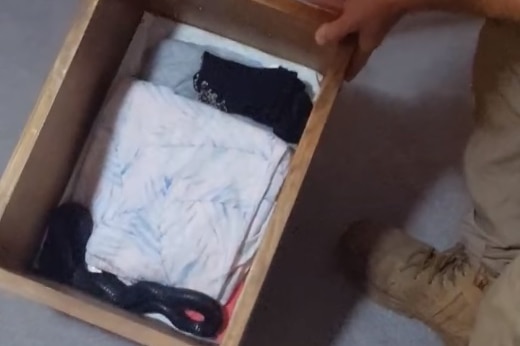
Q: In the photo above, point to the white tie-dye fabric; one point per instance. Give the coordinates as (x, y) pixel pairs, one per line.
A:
(180, 192)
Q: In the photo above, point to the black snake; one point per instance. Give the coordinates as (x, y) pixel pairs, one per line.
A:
(62, 258)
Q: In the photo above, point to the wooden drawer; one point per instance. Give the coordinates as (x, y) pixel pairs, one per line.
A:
(55, 133)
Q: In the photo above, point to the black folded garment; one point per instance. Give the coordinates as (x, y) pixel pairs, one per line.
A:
(271, 96)
(62, 258)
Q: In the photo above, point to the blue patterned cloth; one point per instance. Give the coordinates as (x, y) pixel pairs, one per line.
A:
(180, 192)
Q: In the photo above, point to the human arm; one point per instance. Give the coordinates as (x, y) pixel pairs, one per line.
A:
(371, 20)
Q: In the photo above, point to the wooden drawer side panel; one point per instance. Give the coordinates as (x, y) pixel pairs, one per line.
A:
(43, 104)
(330, 87)
(47, 150)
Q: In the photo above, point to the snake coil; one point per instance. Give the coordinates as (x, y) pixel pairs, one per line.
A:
(62, 258)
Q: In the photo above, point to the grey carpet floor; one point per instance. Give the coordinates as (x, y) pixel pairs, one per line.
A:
(392, 151)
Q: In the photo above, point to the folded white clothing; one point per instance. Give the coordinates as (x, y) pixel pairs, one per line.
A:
(180, 192)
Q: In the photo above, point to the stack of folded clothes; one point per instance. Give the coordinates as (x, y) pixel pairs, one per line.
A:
(274, 97)
(177, 184)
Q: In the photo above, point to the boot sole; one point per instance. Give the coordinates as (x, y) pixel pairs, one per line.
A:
(389, 302)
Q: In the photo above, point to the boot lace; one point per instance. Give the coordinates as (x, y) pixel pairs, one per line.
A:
(440, 266)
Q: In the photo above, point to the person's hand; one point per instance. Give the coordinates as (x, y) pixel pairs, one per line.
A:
(370, 20)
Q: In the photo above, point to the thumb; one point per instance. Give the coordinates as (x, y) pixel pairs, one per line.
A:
(334, 31)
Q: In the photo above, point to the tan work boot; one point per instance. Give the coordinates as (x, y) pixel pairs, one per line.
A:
(440, 289)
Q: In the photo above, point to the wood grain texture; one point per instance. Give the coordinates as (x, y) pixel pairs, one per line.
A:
(257, 25)
(298, 169)
(40, 111)
(54, 134)
(89, 310)
(44, 102)
(303, 11)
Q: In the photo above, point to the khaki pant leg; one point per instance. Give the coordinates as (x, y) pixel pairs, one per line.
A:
(492, 161)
